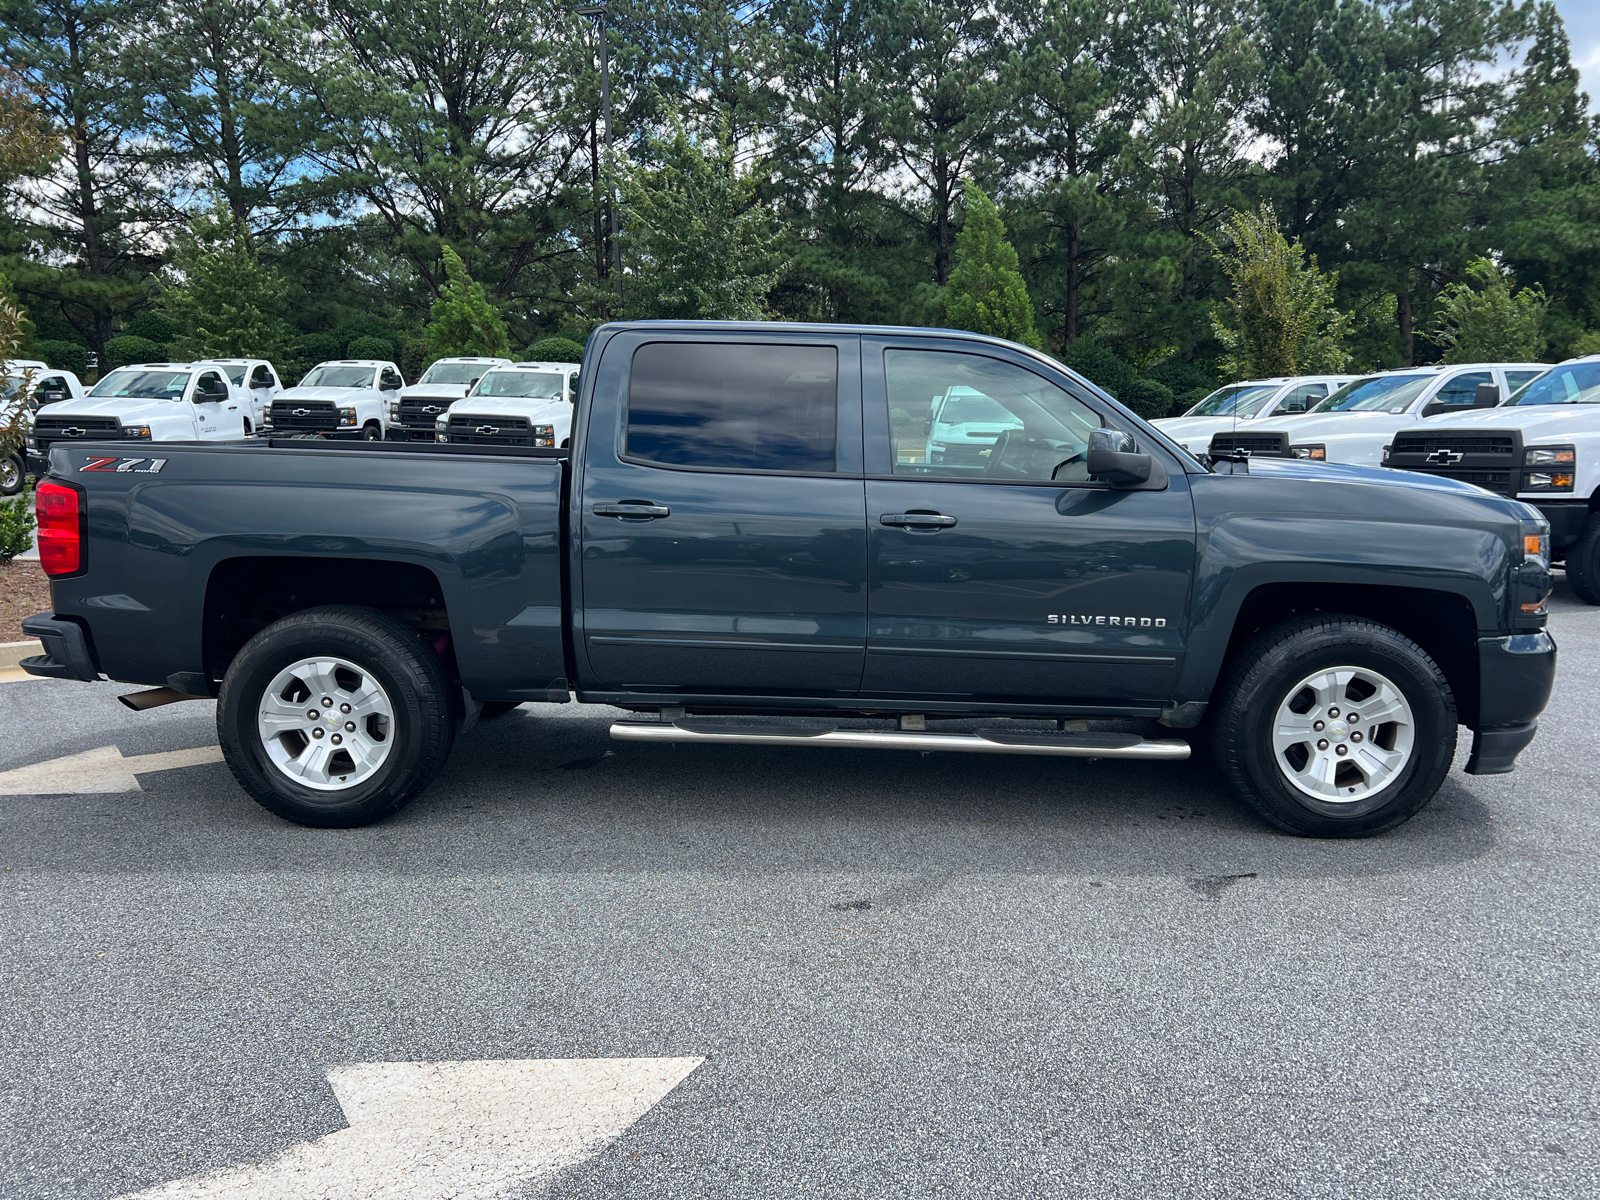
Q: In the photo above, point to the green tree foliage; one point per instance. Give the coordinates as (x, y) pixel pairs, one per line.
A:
(464, 322)
(1282, 315)
(28, 142)
(16, 526)
(986, 293)
(1492, 322)
(226, 300)
(153, 325)
(63, 356)
(1100, 365)
(378, 348)
(125, 348)
(13, 330)
(555, 349)
(696, 241)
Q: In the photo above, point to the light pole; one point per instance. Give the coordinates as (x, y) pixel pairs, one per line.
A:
(598, 11)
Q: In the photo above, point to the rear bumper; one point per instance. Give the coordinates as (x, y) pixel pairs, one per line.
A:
(1515, 678)
(67, 654)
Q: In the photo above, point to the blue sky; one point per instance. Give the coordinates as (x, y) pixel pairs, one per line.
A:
(1583, 27)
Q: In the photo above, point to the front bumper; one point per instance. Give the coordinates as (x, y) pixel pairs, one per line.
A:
(1566, 517)
(408, 433)
(1515, 678)
(67, 653)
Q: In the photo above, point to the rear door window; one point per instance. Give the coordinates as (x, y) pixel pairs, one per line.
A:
(734, 406)
(1515, 379)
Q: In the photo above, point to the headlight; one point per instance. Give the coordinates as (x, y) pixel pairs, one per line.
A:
(1530, 580)
(1386, 450)
(347, 416)
(544, 435)
(31, 443)
(136, 431)
(1319, 453)
(1550, 456)
(394, 410)
(1548, 481)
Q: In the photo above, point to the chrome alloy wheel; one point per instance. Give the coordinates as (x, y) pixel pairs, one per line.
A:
(10, 476)
(326, 723)
(1343, 734)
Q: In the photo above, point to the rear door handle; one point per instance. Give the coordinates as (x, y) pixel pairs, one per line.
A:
(636, 510)
(932, 521)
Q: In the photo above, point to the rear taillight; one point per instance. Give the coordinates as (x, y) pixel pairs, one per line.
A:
(59, 507)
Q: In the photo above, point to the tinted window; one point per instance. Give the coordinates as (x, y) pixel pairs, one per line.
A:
(1384, 393)
(143, 385)
(261, 378)
(966, 416)
(760, 408)
(1573, 383)
(520, 383)
(1235, 400)
(1463, 389)
(236, 372)
(448, 372)
(1515, 379)
(1302, 397)
(335, 376)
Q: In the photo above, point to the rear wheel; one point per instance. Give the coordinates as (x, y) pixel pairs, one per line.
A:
(335, 716)
(1335, 726)
(12, 474)
(1583, 562)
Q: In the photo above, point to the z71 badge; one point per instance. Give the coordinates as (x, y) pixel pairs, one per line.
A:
(125, 465)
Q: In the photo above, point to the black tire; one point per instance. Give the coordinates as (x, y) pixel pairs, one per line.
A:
(401, 662)
(372, 432)
(13, 474)
(497, 708)
(1259, 681)
(1583, 562)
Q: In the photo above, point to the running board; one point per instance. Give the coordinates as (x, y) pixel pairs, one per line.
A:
(985, 741)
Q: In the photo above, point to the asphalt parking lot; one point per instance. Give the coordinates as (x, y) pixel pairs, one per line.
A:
(908, 976)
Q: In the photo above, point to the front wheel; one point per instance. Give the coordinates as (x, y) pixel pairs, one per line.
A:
(1583, 562)
(372, 432)
(1335, 726)
(335, 717)
(13, 472)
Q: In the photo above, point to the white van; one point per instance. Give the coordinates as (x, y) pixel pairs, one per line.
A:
(256, 379)
(344, 398)
(143, 403)
(1355, 423)
(523, 404)
(415, 411)
(1249, 400)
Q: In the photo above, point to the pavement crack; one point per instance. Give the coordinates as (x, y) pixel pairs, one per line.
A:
(1212, 886)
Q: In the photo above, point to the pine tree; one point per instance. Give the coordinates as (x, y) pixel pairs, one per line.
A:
(228, 302)
(1494, 322)
(464, 322)
(1284, 321)
(986, 293)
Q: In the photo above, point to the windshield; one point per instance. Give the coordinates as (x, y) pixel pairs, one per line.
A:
(335, 376)
(1384, 393)
(143, 385)
(963, 406)
(1236, 400)
(1575, 383)
(530, 384)
(448, 372)
(234, 373)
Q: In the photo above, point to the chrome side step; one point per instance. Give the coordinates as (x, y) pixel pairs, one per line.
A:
(985, 741)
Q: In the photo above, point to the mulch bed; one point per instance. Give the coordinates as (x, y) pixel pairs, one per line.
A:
(24, 590)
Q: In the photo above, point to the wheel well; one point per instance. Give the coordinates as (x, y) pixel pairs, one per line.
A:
(245, 595)
(1442, 623)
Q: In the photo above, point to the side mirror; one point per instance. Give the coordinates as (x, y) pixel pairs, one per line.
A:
(1297, 405)
(1114, 459)
(1487, 396)
(212, 392)
(927, 425)
(50, 396)
(388, 385)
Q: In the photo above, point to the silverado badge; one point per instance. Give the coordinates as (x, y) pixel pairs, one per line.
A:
(1095, 619)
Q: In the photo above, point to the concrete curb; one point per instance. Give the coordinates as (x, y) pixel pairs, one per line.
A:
(11, 653)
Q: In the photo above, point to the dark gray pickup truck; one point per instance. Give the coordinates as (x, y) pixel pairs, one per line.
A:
(762, 536)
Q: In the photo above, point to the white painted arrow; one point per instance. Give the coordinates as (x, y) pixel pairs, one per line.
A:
(451, 1130)
(100, 770)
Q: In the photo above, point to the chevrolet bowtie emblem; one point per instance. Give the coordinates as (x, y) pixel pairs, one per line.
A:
(486, 430)
(1445, 458)
(432, 409)
(73, 431)
(302, 412)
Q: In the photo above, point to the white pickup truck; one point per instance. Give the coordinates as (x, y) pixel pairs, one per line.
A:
(1355, 423)
(256, 380)
(27, 384)
(415, 411)
(523, 404)
(147, 402)
(346, 398)
(1225, 409)
(1541, 446)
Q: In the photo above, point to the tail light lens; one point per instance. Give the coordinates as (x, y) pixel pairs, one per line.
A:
(60, 509)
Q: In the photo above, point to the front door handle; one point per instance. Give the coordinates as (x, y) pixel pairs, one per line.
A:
(917, 520)
(636, 510)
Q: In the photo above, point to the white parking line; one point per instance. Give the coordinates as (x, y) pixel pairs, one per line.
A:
(100, 770)
(448, 1130)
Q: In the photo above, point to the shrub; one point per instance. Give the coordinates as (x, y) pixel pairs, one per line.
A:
(1098, 364)
(317, 347)
(16, 525)
(64, 356)
(371, 347)
(1147, 397)
(555, 349)
(120, 351)
(354, 329)
(1183, 377)
(153, 327)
